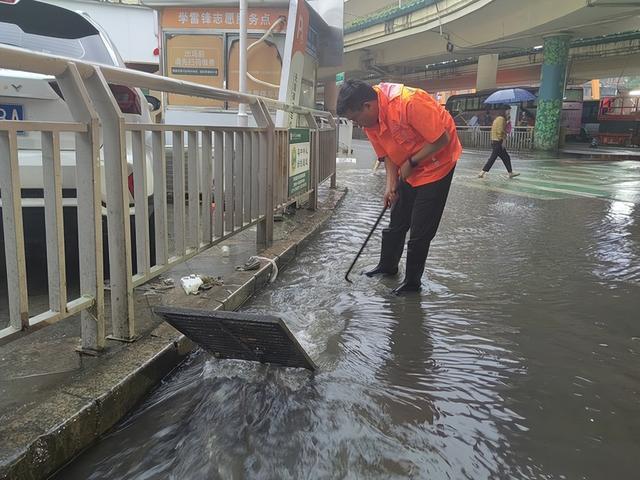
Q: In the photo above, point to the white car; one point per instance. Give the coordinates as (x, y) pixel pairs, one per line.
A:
(47, 28)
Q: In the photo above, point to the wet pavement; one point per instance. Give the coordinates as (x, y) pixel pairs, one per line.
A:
(518, 360)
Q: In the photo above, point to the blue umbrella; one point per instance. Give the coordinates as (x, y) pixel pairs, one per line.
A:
(510, 95)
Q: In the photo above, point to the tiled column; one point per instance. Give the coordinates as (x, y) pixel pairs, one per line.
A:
(554, 65)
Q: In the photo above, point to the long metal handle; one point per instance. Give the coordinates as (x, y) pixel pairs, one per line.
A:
(375, 225)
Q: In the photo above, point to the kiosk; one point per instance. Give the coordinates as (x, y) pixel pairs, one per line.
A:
(288, 44)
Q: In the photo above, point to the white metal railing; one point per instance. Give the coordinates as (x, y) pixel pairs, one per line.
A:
(225, 179)
(520, 138)
(13, 227)
(328, 140)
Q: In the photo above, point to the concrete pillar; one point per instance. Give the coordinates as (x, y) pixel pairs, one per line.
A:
(487, 71)
(330, 95)
(552, 82)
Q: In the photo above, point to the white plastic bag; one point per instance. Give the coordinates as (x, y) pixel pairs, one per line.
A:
(191, 284)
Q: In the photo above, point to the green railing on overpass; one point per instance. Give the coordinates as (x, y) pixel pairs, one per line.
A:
(385, 14)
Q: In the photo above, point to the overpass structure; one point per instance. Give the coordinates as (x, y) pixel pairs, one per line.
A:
(458, 44)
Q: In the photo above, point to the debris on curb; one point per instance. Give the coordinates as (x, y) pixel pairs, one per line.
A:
(209, 282)
(193, 284)
(157, 286)
(252, 264)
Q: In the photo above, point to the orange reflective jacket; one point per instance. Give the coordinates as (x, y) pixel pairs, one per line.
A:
(409, 118)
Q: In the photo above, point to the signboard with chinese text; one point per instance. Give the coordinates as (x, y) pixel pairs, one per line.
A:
(196, 58)
(299, 161)
(219, 17)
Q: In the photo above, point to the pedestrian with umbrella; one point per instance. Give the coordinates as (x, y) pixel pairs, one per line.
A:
(498, 136)
(499, 127)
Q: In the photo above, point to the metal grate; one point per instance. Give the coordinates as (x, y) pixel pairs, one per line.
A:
(242, 336)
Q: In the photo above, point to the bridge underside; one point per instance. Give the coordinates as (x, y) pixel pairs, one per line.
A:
(457, 32)
(524, 70)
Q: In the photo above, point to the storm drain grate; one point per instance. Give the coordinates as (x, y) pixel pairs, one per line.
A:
(242, 336)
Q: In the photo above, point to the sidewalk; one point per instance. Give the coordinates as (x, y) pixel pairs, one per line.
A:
(601, 153)
(55, 403)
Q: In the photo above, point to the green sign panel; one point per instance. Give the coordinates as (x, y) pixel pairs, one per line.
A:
(299, 161)
(339, 78)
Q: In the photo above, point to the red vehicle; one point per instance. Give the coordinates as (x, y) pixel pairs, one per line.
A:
(619, 119)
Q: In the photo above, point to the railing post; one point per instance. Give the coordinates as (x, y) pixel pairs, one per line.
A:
(336, 132)
(116, 172)
(315, 161)
(143, 253)
(54, 225)
(229, 174)
(247, 175)
(193, 182)
(238, 174)
(218, 183)
(89, 207)
(177, 170)
(263, 119)
(160, 197)
(207, 186)
(255, 178)
(13, 232)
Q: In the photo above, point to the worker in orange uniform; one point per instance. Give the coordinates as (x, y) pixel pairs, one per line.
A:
(417, 139)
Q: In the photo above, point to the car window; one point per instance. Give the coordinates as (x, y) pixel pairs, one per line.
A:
(91, 48)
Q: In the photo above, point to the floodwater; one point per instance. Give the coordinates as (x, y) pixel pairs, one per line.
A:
(520, 358)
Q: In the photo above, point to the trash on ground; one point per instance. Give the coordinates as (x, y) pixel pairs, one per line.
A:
(208, 282)
(252, 264)
(191, 284)
(157, 286)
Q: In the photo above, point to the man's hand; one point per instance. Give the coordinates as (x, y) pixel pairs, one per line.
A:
(405, 170)
(390, 196)
(425, 154)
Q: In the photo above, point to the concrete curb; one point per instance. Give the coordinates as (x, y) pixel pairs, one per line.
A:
(598, 155)
(77, 430)
(72, 419)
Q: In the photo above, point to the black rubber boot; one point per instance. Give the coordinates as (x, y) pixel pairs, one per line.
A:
(389, 258)
(407, 287)
(416, 258)
(381, 270)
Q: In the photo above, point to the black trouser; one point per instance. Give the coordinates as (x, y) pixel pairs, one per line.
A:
(419, 209)
(498, 150)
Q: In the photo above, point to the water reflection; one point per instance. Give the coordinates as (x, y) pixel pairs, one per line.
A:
(614, 244)
(408, 369)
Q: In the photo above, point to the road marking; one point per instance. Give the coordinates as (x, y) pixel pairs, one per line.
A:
(523, 192)
(553, 182)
